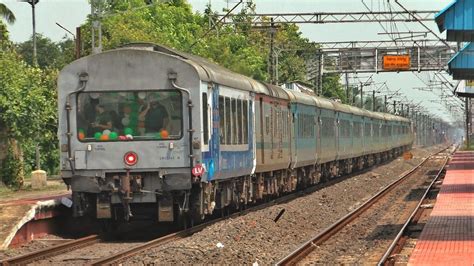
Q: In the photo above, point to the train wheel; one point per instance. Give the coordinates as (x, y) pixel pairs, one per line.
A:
(196, 210)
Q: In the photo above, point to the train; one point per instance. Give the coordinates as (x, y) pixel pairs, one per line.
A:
(149, 132)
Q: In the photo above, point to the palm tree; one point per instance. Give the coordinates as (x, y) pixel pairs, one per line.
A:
(7, 14)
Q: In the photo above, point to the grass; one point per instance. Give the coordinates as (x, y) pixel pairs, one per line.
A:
(464, 147)
(6, 192)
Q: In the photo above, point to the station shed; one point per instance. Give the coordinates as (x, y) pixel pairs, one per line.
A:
(457, 20)
(448, 236)
(461, 66)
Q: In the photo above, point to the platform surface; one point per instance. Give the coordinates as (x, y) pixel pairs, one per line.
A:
(448, 236)
(14, 214)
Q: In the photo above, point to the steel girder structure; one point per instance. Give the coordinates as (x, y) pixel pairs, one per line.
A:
(369, 59)
(332, 17)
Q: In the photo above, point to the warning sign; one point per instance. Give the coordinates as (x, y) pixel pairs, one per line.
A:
(198, 170)
(396, 62)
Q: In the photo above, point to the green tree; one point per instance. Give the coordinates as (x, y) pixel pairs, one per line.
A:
(7, 14)
(49, 53)
(28, 113)
(239, 47)
(332, 87)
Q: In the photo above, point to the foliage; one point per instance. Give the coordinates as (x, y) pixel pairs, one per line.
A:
(332, 88)
(239, 48)
(3, 34)
(28, 111)
(28, 96)
(12, 171)
(49, 54)
(7, 14)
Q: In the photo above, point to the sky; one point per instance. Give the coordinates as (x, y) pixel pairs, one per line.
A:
(72, 13)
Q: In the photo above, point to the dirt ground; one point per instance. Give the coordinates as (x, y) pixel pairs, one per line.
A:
(55, 187)
(256, 237)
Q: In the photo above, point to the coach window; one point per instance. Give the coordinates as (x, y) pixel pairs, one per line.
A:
(228, 121)
(279, 129)
(205, 118)
(129, 115)
(245, 121)
(235, 124)
(239, 122)
(222, 120)
(300, 129)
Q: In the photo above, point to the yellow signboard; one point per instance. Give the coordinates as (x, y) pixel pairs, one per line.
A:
(396, 62)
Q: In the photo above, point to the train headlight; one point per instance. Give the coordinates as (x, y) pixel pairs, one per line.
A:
(130, 158)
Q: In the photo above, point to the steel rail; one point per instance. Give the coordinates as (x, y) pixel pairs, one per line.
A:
(51, 251)
(302, 251)
(395, 244)
(115, 258)
(118, 257)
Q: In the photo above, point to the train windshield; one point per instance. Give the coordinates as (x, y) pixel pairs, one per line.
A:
(128, 116)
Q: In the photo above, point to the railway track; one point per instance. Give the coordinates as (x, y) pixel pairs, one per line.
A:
(304, 253)
(123, 255)
(397, 245)
(137, 248)
(52, 251)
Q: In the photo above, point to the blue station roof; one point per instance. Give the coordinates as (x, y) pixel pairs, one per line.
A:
(458, 20)
(461, 66)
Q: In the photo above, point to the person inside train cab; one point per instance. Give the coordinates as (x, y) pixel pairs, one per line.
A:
(156, 117)
(88, 115)
(103, 119)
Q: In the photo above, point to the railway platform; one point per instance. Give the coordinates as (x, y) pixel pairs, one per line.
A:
(448, 236)
(22, 220)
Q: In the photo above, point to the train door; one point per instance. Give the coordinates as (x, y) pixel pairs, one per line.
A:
(262, 130)
(293, 134)
(317, 123)
(210, 131)
(337, 131)
(350, 135)
(273, 139)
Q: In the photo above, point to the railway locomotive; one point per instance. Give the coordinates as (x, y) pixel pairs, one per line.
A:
(147, 132)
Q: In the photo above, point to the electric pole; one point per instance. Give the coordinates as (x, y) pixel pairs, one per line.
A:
(373, 100)
(96, 13)
(467, 123)
(33, 15)
(347, 88)
(271, 69)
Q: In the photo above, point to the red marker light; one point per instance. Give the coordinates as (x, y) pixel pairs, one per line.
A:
(130, 158)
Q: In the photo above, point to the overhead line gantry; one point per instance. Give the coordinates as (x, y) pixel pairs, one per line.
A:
(333, 17)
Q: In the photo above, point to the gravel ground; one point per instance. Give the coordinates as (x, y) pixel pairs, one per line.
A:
(255, 237)
(34, 245)
(414, 230)
(87, 254)
(366, 239)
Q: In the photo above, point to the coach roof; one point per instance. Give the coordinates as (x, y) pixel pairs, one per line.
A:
(207, 70)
